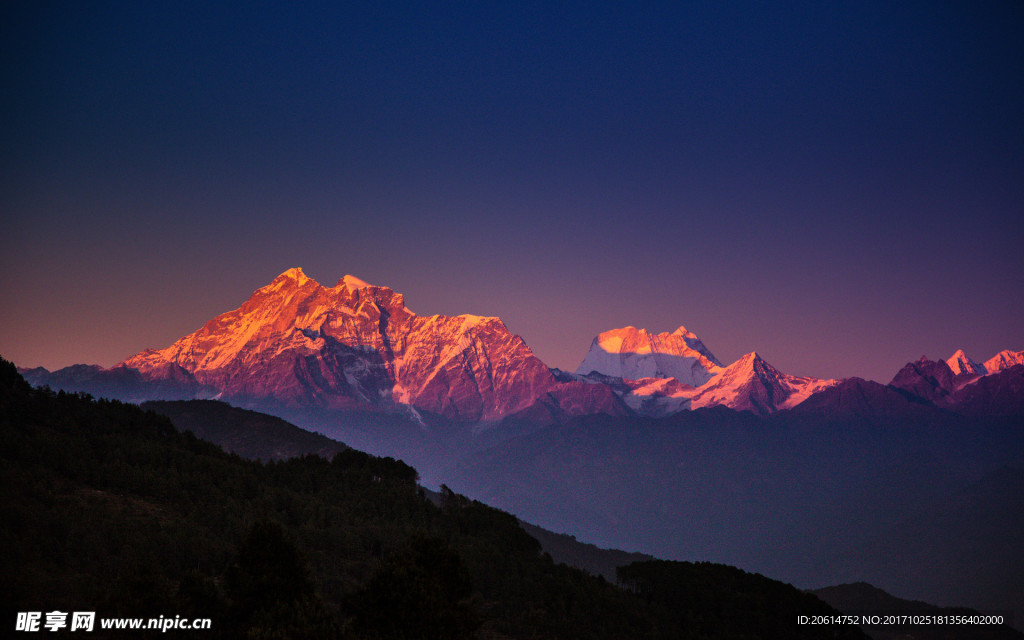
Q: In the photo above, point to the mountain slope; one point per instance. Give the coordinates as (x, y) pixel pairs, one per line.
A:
(167, 382)
(996, 394)
(1003, 360)
(250, 434)
(932, 380)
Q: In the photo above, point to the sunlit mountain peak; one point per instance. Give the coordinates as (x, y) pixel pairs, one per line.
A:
(635, 354)
(295, 273)
(960, 363)
(353, 283)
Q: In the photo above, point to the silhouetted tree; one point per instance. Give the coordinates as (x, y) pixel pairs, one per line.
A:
(422, 591)
(271, 593)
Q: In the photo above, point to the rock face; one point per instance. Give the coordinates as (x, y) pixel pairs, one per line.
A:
(993, 388)
(932, 380)
(354, 345)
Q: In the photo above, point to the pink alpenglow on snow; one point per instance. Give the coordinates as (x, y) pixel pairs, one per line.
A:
(1004, 360)
(668, 372)
(633, 354)
(356, 345)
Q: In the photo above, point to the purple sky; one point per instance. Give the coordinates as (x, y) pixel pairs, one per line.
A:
(838, 186)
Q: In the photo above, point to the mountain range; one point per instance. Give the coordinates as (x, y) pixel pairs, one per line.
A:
(297, 345)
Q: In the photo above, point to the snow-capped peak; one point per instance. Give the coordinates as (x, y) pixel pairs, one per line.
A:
(633, 354)
(1004, 360)
(295, 273)
(751, 383)
(960, 363)
(353, 283)
(291, 280)
(355, 345)
(749, 360)
(686, 333)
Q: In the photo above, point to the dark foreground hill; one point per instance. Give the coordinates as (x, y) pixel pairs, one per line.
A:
(105, 507)
(250, 434)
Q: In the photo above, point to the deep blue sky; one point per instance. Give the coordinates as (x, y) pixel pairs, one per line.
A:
(837, 185)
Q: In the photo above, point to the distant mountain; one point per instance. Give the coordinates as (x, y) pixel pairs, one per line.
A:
(121, 382)
(751, 384)
(959, 363)
(653, 397)
(297, 345)
(996, 392)
(635, 354)
(1003, 360)
(570, 398)
(356, 346)
(932, 380)
(661, 374)
(860, 401)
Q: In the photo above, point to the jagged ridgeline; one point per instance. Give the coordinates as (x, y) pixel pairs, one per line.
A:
(108, 508)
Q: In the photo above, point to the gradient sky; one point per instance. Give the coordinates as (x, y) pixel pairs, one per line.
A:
(836, 185)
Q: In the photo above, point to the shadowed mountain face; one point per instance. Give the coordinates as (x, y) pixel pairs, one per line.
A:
(932, 380)
(996, 392)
